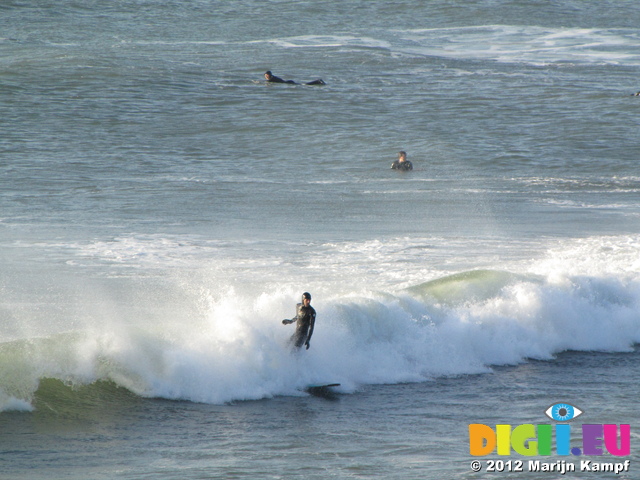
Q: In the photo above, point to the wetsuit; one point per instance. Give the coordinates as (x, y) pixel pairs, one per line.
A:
(404, 166)
(275, 79)
(305, 320)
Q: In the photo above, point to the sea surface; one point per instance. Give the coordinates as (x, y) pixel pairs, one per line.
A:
(162, 209)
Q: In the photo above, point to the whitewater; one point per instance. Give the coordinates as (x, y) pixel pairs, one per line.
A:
(204, 337)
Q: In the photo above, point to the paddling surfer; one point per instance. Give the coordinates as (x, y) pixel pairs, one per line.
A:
(270, 77)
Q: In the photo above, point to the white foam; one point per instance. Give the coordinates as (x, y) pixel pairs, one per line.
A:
(324, 41)
(11, 404)
(216, 340)
(529, 44)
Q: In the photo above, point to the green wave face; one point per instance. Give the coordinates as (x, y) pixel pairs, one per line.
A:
(94, 402)
(471, 286)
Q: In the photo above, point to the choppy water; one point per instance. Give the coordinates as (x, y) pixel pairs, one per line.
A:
(162, 209)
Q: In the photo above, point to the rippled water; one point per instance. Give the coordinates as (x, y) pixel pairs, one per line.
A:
(162, 209)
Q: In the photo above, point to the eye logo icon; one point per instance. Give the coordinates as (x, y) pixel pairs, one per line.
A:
(563, 412)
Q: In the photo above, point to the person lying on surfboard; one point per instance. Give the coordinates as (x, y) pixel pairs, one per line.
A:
(270, 77)
(305, 321)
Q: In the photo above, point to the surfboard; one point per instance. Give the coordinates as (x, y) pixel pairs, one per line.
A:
(321, 390)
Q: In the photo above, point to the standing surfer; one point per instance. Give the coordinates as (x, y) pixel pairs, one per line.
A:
(305, 320)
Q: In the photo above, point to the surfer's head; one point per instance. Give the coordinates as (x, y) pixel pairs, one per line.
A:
(306, 296)
(268, 74)
(402, 155)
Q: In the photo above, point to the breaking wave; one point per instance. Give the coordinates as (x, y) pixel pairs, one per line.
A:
(232, 346)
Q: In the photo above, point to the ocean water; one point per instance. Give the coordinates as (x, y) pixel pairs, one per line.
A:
(162, 209)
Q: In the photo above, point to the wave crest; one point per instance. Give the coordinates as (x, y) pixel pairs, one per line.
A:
(454, 325)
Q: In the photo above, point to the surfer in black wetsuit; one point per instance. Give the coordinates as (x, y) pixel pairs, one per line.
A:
(270, 77)
(402, 163)
(305, 321)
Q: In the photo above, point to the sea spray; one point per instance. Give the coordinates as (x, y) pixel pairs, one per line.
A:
(232, 346)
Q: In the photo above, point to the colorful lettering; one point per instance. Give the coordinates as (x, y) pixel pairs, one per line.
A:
(478, 435)
(611, 443)
(530, 440)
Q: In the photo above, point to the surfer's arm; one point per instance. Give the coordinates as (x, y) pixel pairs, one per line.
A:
(286, 321)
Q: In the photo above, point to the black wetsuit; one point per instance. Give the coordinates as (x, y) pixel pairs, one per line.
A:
(404, 166)
(305, 321)
(274, 79)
